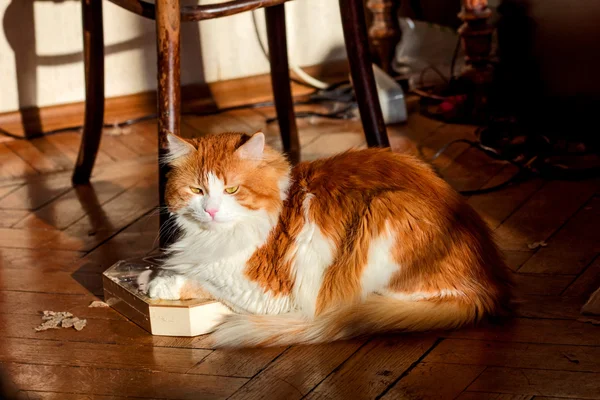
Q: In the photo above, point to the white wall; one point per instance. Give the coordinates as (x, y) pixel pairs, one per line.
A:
(41, 44)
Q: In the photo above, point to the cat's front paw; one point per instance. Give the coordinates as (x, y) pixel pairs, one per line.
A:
(166, 287)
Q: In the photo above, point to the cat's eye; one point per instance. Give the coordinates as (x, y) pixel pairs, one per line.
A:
(232, 190)
(196, 190)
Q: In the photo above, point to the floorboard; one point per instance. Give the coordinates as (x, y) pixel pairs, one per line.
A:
(56, 240)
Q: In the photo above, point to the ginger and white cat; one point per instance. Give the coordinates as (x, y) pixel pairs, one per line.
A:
(366, 241)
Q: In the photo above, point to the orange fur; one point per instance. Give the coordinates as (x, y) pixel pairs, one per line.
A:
(269, 265)
(215, 153)
(444, 251)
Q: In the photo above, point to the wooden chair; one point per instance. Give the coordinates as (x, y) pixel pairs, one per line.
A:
(169, 15)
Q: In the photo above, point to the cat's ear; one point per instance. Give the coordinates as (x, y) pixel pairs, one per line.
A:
(253, 148)
(178, 148)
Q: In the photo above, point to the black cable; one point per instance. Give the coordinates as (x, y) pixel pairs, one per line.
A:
(479, 146)
(533, 166)
(518, 177)
(340, 114)
(434, 69)
(454, 58)
(492, 153)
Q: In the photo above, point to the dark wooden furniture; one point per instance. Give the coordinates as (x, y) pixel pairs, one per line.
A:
(384, 32)
(169, 15)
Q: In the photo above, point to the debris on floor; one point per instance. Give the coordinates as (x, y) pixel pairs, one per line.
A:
(98, 304)
(535, 245)
(592, 321)
(591, 309)
(60, 319)
(592, 306)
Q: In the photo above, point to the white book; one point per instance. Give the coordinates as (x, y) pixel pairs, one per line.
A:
(159, 317)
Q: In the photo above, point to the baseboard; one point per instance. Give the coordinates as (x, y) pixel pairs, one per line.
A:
(197, 97)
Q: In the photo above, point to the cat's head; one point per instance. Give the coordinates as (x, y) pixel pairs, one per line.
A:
(218, 181)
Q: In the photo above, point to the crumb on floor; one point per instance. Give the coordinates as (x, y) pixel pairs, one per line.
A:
(60, 319)
(98, 304)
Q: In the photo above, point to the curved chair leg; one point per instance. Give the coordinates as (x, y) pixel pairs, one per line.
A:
(168, 27)
(357, 47)
(93, 51)
(280, 80)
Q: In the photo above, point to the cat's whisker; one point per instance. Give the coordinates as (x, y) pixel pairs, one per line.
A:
(167, 230)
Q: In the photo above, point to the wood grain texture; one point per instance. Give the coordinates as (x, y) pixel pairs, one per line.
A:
(94, 355)
(573, 247)
(434, 381)
(34, 194)
(552, 307)
(97, 331)
(13, 165)
(75, 204)
(27, 239)
(137, 240)
(121, 382)
(116, 214)
(545, 285)
(587, 282)
(526, 330)
(116, 149)
(39, 395)
(494, 396)
(544, 213)
(243, 363)
(38, 259)
(387, 360)
(211, 124)
(297, 371)
(33, 156)
(49, 150)
(141, 140)
(471, 170)
(6, 189)
(9, 218)
(553, 398)
(516, 258)
(516, 355)
(33, 303)
(41, 281)
(539, 382)
(496, 207)
(68, 144)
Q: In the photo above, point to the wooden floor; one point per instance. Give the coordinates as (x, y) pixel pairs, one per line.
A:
(55, 241)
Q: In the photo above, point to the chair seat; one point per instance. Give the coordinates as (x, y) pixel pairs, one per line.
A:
(199, 12)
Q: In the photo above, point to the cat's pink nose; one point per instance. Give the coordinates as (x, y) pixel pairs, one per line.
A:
(212, 212)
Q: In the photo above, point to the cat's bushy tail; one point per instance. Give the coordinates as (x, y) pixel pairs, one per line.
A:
(377, 314)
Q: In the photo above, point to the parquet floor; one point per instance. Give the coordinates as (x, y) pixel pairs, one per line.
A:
(55, 240)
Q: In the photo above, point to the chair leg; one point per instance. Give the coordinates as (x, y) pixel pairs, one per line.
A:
(93, 52)
(168, 24)
(357, 47)
(280, 80)
(384, 32)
